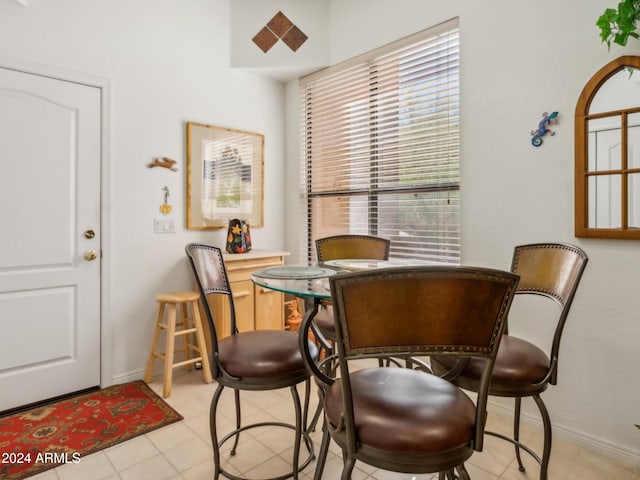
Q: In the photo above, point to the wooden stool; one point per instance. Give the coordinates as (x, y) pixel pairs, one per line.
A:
(187, 326)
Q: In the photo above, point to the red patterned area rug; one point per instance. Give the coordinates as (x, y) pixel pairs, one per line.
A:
(65, 431)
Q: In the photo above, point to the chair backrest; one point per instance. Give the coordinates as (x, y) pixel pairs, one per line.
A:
(211, 277)
(420, 311)
(553, 270)
(352, 246)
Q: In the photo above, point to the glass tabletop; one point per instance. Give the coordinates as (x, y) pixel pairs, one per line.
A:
(298, 280)
(357, 264)
(313, 280)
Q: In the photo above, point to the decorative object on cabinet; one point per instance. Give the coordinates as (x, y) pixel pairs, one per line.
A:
(294, 317)
(225, 172)
(256, 307)
(163, 162)
(165, 208)
(617, 25)
(279, 28)
(238, 236)
(607, 167)
(543, 128)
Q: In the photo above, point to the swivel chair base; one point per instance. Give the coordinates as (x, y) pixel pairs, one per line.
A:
(307, 441)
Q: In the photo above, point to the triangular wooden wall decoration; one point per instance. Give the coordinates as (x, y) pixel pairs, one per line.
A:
(279, 28)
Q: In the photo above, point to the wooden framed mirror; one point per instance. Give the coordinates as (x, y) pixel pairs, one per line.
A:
(607, 153)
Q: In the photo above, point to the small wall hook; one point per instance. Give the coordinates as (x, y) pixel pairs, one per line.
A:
(165, 208)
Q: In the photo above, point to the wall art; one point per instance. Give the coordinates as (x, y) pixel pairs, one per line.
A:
(224, 176)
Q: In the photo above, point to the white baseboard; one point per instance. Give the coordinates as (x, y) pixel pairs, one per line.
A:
(618, 452)
(127, 377)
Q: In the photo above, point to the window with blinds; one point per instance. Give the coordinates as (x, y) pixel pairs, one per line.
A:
(381, 147)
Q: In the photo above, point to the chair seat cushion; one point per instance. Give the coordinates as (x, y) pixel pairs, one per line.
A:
(519, 364)
(405, 411)
(262, 354)
(325, 322)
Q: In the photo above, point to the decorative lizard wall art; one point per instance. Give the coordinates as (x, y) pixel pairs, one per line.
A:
(543, 128)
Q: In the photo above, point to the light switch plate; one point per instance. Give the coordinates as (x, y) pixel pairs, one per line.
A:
(164, 225)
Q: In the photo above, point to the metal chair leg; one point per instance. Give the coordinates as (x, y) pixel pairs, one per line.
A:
(322, 454)
(307, 399)
(462, 473)
(236, 394)
(546, 449)
(316, 415)
(451, 475)
(349, 463)
(305, 415)
(330, 366)
(299, 424)
(516, 431)
(214, 431)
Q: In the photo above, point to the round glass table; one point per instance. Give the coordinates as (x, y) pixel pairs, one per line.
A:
(305, 281)
(312, 281)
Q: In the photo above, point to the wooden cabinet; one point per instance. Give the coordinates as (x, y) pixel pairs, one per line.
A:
(256, 307)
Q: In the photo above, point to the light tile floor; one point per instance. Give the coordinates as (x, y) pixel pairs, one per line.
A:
(182, 451)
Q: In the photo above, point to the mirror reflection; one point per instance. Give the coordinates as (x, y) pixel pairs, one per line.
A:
(619, 92)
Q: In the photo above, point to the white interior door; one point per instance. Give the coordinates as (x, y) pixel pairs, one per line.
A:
(50, 206)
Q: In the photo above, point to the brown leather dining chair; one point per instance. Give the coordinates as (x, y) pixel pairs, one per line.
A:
(349, 246)
(404, 419)
(352, 246)
(522, 369)
(252, 360)
(341, 247)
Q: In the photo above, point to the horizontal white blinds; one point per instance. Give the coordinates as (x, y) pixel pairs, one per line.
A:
(381, 148)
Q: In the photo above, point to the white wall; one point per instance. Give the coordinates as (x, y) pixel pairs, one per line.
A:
(519, 60)
(166, 62)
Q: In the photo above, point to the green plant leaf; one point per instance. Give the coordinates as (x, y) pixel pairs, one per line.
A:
(605, 27)
(617, 25)
(621, 38)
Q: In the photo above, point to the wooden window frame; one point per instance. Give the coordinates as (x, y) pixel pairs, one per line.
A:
(582, 173)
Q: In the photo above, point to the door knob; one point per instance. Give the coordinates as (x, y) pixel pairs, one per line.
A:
(90, 234)
(90, 255)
